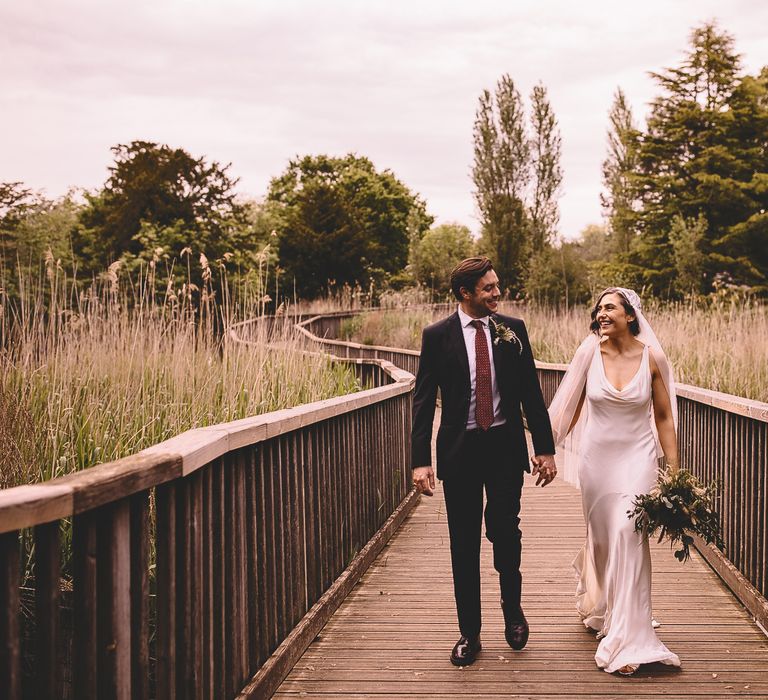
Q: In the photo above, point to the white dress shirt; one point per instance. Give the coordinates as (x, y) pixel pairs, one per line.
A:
(469, 341)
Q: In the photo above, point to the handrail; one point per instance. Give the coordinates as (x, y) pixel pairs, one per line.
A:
(260, 528)
(34, 504)
(257, 524)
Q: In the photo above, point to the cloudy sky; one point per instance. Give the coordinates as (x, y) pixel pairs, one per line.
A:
(256, 82)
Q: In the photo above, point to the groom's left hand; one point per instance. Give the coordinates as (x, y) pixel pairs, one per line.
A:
(544, 468)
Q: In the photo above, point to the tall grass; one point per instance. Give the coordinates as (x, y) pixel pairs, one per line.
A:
(720, 344)
(348, 298)
(94, 374)
(399, 329)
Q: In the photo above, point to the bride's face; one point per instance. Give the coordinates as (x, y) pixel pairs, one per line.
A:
(612, 317)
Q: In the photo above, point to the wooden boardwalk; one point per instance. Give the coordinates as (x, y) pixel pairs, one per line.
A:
(392, 636)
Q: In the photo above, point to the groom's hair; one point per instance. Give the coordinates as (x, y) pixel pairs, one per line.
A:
(467, 272)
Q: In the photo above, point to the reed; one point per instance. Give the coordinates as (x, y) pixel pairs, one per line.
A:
(720, 343)
(91, 374)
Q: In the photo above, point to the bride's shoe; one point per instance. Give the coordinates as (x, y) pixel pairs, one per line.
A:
(629, 669)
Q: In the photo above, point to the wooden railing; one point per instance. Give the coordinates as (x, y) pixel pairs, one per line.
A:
(202, 566)
(721, 437)
(323, 331)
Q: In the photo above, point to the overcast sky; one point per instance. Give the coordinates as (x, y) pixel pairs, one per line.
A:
(257, 82)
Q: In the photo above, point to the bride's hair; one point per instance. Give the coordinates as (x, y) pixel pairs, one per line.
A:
(634, 325)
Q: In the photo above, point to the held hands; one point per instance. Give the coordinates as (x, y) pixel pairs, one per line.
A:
(424, 480)
(544, 468)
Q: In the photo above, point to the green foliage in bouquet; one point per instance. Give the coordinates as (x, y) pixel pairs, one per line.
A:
(677, 507)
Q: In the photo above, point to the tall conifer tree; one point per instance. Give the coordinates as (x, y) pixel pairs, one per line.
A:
(501, 175)
(703, 158)
(619, 169)
(546, 147)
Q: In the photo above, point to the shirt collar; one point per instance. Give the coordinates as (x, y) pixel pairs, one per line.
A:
(467, 320)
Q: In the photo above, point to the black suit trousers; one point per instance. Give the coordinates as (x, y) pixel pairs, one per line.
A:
(484, 466)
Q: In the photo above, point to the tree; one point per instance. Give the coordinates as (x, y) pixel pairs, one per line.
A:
(164, 194)
(339, 220)
(686, 237)
(619, 167)
(501, 174)
(547, 172)
(15, 201)
(46, 228)
(705, 153)
(437, 253)
(34, 231)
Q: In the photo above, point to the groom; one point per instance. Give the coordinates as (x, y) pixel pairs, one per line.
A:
(483, 365)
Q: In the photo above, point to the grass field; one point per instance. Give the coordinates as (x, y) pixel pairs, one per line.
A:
(722, 345)
(94, 376)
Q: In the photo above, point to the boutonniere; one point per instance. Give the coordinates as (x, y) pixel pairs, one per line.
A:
(505, 335)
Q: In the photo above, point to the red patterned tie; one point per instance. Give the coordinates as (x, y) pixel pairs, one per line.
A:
(483, 393)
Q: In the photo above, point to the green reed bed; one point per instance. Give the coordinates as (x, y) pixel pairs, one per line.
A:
(89, 377)
(719, 344)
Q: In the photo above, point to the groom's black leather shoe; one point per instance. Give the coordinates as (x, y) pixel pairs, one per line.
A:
(465, 651)
(515, 627)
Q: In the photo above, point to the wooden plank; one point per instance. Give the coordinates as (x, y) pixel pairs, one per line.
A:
(311, 518)
(195, 575)
(392, 635)
(241, 576)
(114, 601)
(269, 677)
(220, 609)
(84, 573)
(188, 628)
(267, 604)
(252, 559)
(139, 514)
(165, 498)
(10, 637)
(34, 504)
(504, 695)
(47, 595)
(105, 483)
(209, 611)
(278, 535)
(749, 596)
(229, 594)
(295, 540)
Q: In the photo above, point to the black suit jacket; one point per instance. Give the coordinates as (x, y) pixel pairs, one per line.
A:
(444, 365)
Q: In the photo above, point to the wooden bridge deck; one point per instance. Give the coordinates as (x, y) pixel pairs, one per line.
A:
(392, 636)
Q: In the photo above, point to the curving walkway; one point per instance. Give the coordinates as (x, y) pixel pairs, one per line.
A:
(392, 636)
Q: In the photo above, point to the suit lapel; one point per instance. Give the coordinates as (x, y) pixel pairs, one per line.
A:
(456, 335)
(496, 350)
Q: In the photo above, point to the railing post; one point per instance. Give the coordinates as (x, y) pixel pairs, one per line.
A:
(139, 505)
(114, 601)
(165, 499)
(47, 587)
(10, 638)
(85, 652)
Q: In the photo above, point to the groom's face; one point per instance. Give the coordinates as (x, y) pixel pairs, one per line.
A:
(484, 299)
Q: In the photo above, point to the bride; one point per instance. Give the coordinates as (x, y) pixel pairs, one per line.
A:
(618, 402)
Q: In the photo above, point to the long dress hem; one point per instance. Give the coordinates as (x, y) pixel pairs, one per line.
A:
(618, 461)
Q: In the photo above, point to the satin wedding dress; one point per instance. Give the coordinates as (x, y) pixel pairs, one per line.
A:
(618, 461)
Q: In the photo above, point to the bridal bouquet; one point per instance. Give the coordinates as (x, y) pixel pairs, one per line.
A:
(678, 506)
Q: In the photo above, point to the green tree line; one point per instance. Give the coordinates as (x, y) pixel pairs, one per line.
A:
(684, 198)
